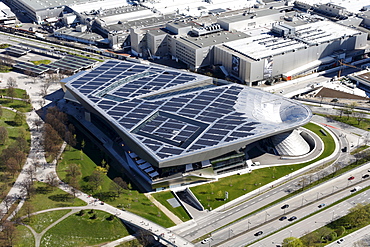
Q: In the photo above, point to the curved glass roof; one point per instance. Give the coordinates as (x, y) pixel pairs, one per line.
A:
(171, 112)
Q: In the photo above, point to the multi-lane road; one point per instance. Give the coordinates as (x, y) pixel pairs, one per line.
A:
(216, 220)
(300, 206)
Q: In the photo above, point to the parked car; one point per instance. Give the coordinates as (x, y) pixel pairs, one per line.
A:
(285, 206)
(321, 205)
(258, 233)
(351, 178)
(204, 241)
(283, 218)
(292, 218)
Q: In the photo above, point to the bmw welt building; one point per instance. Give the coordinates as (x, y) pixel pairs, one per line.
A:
(173, 127)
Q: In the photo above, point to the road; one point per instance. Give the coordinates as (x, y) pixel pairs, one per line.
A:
(321, 219)
(299, 206)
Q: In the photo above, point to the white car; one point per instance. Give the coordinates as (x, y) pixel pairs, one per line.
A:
(204, 241)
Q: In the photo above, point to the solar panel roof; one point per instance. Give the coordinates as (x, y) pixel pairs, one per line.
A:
(186, 114)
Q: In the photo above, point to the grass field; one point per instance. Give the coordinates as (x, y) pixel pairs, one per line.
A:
(24, 237)
(6, 121)
(212, 195)
(46, 197)
(162, 197)
(18, 105)
(131, 200)
(83, 231)
(19, 93)
(41, 221)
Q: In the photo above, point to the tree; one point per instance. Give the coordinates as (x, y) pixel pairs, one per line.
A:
(95, 180)
(11, 82)
(9, 231)
(73, 171)
(292, 242)
(360, 116)
(37, 122)
(3, 135)
(118, 185)
(11, 166)
(358, 214)
(8, 201)
(20, 158)
(52, 179)
(73, 182)
(310, 239)
(31, 172)
(28, 187)
(18, 118)
(11, 92)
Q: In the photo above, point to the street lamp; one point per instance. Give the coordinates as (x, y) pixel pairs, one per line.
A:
(248, 224)
(302, 200)
(266, 216)
(291, 233)
(334, 187)
(230, 231)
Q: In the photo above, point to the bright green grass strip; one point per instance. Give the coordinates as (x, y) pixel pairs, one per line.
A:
(82, 231)
(38, 62)
(19, 93)
(41, 221)
(162, 197)
(24, 237)
(18, 105)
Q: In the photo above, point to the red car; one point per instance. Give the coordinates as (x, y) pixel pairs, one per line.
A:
(351, 178)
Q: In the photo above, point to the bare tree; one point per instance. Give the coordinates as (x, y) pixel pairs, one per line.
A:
(9, 231)
(8, 201)
(118, 185)
(31, 172)
(27, 185)
(11, 82)
(52, 179)
(38, 123)
(3, 135)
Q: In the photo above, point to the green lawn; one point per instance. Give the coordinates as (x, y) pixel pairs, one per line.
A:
(40, 221)
(131, 200)
(24, 237)
(16, 104)
(82, 231)
(212, 195)
(162, 197)
(19, 93)
(46, 197)
(38, 62)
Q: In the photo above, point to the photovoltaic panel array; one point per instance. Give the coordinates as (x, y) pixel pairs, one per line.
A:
(173, 113)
